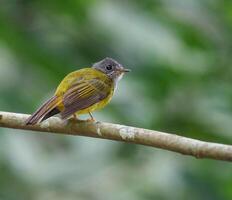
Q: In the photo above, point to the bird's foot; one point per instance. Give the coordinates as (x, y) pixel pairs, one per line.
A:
(75, 119)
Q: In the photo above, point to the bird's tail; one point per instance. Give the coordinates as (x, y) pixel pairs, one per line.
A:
(48, 109)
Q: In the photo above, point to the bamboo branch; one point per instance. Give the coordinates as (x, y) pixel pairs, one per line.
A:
(171, 142)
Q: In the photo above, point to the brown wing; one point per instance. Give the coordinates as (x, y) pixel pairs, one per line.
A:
(84, 94)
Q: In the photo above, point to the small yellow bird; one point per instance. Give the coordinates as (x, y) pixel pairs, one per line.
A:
(82, 91)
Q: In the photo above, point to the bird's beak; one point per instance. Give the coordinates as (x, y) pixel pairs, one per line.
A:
(125, 70)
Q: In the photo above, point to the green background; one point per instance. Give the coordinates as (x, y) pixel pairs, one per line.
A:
(180, 55)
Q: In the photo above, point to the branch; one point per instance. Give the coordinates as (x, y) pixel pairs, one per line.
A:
(171, 142)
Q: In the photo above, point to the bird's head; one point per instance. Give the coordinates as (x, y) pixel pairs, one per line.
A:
(111, 68)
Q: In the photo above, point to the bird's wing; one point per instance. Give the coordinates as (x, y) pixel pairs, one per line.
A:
(83, 94)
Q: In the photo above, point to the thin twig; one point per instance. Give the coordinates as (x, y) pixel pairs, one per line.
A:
(171, 142)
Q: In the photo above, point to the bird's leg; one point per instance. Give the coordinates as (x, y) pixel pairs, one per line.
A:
(91, 119)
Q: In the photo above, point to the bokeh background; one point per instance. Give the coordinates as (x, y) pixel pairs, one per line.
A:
(180, 53)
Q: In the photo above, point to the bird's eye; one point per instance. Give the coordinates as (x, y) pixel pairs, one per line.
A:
(109, 67)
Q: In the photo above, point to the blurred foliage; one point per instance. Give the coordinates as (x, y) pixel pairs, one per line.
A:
(180, 53)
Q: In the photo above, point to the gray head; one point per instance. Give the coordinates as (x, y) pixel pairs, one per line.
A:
(111, 68)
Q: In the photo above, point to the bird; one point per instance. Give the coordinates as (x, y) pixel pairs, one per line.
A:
(82, 92)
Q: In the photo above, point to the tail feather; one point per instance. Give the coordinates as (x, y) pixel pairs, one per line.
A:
(54, 111)
(43, 112)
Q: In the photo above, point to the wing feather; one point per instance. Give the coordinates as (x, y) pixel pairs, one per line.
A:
(84, 94)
